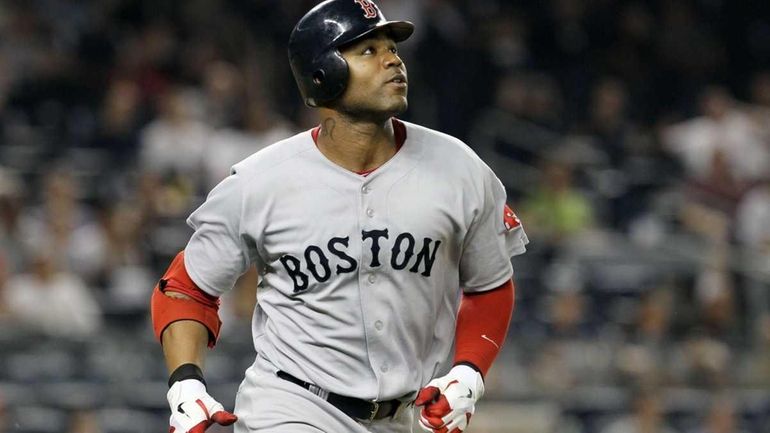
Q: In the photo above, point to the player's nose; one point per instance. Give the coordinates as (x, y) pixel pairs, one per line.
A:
(392, 60)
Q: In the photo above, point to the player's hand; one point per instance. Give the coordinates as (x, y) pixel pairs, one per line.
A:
(448, 402)
(193, 410)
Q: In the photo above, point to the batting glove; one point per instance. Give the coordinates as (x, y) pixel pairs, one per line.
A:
(193, 410)
(449, 402)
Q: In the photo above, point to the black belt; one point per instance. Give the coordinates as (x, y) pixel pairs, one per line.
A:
(360, 410)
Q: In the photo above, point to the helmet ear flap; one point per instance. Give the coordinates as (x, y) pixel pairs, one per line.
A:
(318, 77)
(330, 78)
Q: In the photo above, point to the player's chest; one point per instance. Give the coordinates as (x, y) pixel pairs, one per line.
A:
(390, 222)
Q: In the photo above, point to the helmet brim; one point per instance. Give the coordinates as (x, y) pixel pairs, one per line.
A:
(398, 30)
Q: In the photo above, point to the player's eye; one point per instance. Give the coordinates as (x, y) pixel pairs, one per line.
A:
(394, 50)
(368, 50)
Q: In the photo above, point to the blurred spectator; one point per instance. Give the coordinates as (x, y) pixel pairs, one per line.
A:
(565, 308)
(148, 54)
(5, 312)
(635, 167)
(556, 210)
(551, 372)
(544, 102)
(567, 312)
(224, 93)
(83, 421)
(758, 106)
(630, 54)
(760, 89)
(723, 154)
(647, 416)
(571, 352)
(119, 121)
(508, 134)
(52, 301)
(4, 425)
(654, 316)
(62, 223)
(11, 208)
(752, 220)
(704, 362)
(172, 155)
(125, 272)
(721, 149)
(644, 359)
(506, 40)
(175, 142)
(715, 300)
(755, 371)
(721, 417)
(609, 121)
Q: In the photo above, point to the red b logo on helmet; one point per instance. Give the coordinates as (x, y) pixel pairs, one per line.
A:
(370, 10)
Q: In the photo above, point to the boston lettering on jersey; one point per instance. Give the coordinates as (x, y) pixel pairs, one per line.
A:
(404, 253)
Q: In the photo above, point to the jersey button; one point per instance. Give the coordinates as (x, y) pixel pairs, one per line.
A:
(384, 368)
(370, 212)
(378, 325)
(372, 278)
(366, 190)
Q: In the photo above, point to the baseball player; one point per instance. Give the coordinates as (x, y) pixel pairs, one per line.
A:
(383, 250)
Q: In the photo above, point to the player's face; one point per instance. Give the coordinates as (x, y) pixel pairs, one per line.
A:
(377, 86)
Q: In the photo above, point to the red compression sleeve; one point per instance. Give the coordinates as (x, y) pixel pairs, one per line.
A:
(201, 307)
(482, 325)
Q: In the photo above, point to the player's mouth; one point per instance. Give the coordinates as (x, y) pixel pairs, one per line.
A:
(398, 80)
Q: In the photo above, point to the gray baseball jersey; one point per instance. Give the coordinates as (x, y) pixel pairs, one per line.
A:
(361, 276)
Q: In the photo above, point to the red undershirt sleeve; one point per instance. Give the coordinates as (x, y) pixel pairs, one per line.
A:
(482, 324)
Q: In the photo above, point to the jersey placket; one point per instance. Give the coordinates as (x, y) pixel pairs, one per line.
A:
(374, 234)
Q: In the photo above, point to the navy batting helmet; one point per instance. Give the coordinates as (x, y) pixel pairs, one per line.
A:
(318, 66)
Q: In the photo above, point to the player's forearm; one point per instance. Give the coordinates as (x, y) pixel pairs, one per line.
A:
(482, 325)
(184, 342)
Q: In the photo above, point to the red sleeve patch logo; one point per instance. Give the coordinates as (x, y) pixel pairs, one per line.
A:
(370, 10)
(510, 219)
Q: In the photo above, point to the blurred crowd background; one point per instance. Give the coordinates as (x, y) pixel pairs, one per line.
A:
(633, 138)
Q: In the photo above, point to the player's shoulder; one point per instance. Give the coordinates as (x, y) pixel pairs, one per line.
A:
(444, 148)
(274, 155)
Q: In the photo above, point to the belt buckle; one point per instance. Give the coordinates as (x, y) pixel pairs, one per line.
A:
(375, 409)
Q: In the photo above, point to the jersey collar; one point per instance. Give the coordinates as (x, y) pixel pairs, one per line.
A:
(399, 133)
